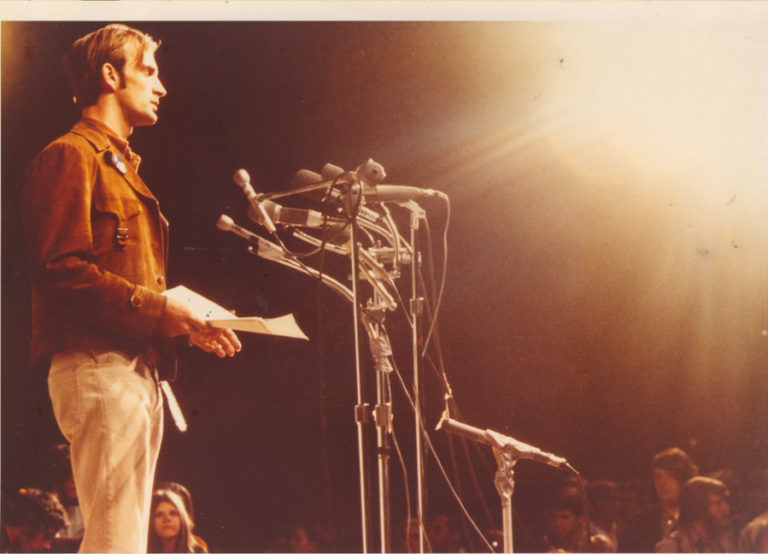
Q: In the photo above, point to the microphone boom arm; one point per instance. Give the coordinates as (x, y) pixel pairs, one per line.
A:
(507, 452)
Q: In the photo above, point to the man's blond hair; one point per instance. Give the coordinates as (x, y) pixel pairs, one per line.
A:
(89, 53)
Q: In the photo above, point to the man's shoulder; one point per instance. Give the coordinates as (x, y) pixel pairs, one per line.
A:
(81, 137)
(69, 154)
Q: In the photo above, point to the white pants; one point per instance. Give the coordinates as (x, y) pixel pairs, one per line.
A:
(109, 407)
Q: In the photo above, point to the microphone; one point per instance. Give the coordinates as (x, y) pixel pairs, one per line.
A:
(516, 449)
(396, 193)
(243, 180)
(268, 213)
(330, 171)
(296, 217)
(519, 450)
(305, 177)
(372, 193)
(265, 248)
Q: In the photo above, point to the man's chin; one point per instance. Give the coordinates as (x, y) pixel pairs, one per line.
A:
(146, 120)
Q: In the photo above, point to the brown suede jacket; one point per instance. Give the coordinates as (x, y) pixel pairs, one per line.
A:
(97, 247)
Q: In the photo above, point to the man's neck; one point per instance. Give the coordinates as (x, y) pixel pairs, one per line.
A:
(107, 115)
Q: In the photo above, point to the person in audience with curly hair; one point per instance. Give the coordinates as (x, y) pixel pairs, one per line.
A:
(31, 520)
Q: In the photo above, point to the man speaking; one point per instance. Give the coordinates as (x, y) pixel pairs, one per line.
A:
(97, 248)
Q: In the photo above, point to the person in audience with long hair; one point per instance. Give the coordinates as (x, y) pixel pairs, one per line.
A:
(670, 470)
(704, 524)
(170, 527)
(189, 504)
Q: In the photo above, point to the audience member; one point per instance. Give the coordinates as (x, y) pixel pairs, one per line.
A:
(186, 497)
(704, 524)
(567, 528)
(604, 509)
(31, 520)
(56, 477)
(670, 469)
(443, 535)
(754, 536)
(303, 538)
(407, 536)
(170, 527)
(755, 497)
(633, 499)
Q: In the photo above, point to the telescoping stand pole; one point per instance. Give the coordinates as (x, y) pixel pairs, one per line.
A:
(417, 304)
(382, 417)
(361, 409)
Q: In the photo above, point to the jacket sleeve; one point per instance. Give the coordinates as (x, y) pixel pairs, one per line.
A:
(57, 211)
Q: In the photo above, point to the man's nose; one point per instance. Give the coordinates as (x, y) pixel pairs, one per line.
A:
(159, 89)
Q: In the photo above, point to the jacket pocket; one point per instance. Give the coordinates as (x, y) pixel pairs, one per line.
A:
(114, 221)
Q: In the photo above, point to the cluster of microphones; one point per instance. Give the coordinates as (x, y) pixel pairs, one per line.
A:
(354, 197)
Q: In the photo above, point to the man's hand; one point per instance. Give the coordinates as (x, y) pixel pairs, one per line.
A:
(178, 320)
(222, 342)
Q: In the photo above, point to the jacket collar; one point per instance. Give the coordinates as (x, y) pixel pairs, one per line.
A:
(94, 132)
(102, 138)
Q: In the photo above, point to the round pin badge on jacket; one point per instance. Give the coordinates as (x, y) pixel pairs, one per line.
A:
(116, 161)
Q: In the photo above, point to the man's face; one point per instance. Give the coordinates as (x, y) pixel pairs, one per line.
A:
(667, 487)
(718, 510)
(562, 524)
(141, 90)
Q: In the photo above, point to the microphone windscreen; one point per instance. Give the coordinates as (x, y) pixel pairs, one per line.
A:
(242, 178)
(225, 222)
(305, 177)
(331, 171)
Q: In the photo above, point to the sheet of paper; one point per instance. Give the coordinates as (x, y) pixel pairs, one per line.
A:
(284, 326)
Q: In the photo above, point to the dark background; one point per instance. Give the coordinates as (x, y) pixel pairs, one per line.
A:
(608, 248)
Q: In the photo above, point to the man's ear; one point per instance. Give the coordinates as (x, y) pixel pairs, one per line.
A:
(111, 79)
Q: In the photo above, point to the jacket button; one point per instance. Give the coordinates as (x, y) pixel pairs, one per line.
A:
(160, 279)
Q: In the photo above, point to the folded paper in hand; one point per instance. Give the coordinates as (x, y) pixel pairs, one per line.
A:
(284, 326)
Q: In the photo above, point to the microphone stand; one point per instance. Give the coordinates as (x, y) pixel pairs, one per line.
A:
(507, 452)
(380, 350)
(504, 479)
(362, 410)
(416, 310)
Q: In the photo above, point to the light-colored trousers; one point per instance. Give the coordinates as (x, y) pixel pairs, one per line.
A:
(109, 407)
